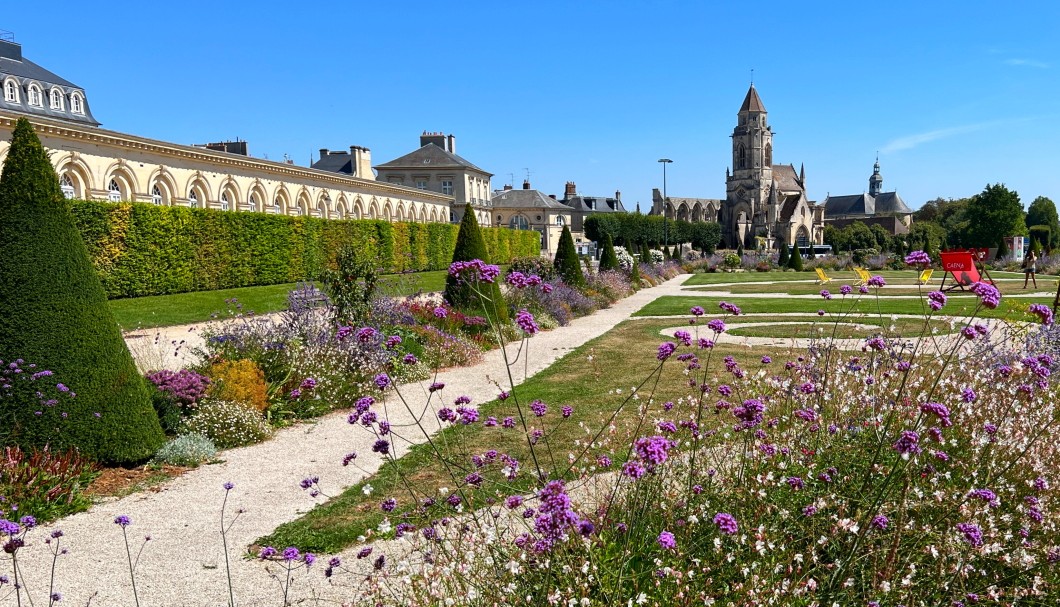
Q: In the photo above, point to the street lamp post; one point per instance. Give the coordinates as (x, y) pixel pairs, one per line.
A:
(666, 205)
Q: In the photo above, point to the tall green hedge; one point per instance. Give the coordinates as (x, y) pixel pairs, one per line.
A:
(56, 316)
(142, 249)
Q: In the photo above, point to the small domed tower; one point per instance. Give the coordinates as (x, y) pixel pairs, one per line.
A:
(876, 181)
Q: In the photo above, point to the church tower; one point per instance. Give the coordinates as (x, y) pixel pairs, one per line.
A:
(747, 188)
(876, 181)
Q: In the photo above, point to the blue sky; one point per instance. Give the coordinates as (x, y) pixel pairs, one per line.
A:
(953, 95)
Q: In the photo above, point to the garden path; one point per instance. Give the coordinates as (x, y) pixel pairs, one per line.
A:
(183, 563)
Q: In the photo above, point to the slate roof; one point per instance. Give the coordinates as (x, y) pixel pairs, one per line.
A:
(891, 202)
(27, 71)
(525, 199)
(335, 163)
(752, 102)
(786, 178)
(885, 203)
(427, 156)
(791, 202)
(595, 204)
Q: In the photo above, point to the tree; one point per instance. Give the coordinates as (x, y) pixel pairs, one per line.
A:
(1042, 212)
(56, 316)
(992, 214)
(882, 237)
(782, 259)
(1002, 249)
(795, 261)
(567, 264)
(739, 249)
(859, 236)
(634, 274)
(645, 253)
(463, 294)
(608, 259)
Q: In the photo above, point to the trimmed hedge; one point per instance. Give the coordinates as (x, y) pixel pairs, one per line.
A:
(142, 249)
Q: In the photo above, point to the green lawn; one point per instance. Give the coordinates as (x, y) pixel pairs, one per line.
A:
(815, 326)
(1010, 308)
(1046, 287)
(186, 308)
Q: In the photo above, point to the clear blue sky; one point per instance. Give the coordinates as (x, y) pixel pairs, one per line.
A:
(953, 95)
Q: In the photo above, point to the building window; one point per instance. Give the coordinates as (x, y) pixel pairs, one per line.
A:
(518, 222)
(447, 187)
(77, 104)
(67, 186)
(193, 200)
(156, 195)
(253, 202)
(36, 96)
(224, 201)
(421, 184)
(57, 100)
(277, 207)
(10, 91)
(113, 191)
(561, 220)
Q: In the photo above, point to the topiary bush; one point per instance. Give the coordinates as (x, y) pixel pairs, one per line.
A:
(188, 450)
(56, 314)
(608, 259)
(567, 264)
(474, 298)
(228, 424)
(795, 261)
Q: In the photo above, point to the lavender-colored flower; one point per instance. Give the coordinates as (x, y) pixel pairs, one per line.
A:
(968, 333)
(766, 360)
(666, 349)
(697, 311)
(28, 522)
(863, 289)
(917, 258)
(1043, 312)
(436, 386)
(381, 446)
(795, 482)
(468, 415)
(653, 449)
(938, 410)
(393, 341)
(513, 501)
(667, 541)
(388, 504)
(825, 294)
(349, 457)
(907, 443)
(717, 326)
(972, 533)
(526, 322)
(877, 281)
(364, 552)
(989, 296)
(684, 337)
(880, 522)
(726, 523)
(968, 395)
(539, 408)
(122, 520)
(229, 486)
(508, 422)
(409, 359)
(730, 308)
(267, 552)
(308, 482)
(566, 411)
(603, 461)
(382, 381)
(985, 495)
(56, 597)
(10, 528)
(750, 413)
(633, 469)
(809, 510)
(440, 312)
(936, 299)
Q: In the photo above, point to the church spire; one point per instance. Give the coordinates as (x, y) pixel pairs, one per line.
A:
(876, 181)
(802, 174)
(752, 102)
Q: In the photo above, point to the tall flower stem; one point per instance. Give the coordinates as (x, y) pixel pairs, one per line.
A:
(224, 542)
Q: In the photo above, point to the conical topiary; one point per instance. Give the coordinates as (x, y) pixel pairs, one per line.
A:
(1002, 249)
(471, 298)
(56, 316)
(795, 261)
(566, 262)
(608, 259)
(782, 259)
(645, 253)
(634, 275)
(739, 249)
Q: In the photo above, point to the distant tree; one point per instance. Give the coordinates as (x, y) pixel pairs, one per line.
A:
(782, 259)
(859, 236)
(56, 317)
(567, 264)
(645, 253)
(463, 295)
(926, 236)
(1042, 212)
(795, 261)
(1002, 249)
(608, 259)
(705, 236)
(836, 238)
(882, 237)
(1040, 235)
(992, 214)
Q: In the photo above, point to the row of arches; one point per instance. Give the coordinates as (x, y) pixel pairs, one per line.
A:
(697, 211)
(163, 188)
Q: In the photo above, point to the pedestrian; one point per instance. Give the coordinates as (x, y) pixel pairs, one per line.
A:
(1030, 267)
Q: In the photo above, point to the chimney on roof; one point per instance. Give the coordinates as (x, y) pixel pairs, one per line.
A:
(526, 184)
(452, 144)
(552, 196)
(618, 195)
(362, 162)
(507, 187)
(438, 139)
(9, 49)
(570, 191)
(323, 153)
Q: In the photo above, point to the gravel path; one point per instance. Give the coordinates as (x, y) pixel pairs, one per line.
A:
(183, 563)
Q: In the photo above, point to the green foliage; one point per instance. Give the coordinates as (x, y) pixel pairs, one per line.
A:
(1002, 249)
(474, 298)
(227, 424)
(926, 236)
(785, 255)
(186, 450)
(795, 261)
(142, 249)
(541, 266)
(608, 259)
(44, 484)
(56, 316)
(645, 253)
(634, 275)
(629, 228)
(882, 237)
(993, 213)
(566, 262)
(739, 249)
(350, 287)
(1042, 212)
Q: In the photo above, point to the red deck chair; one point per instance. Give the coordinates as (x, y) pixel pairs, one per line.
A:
(961, 266)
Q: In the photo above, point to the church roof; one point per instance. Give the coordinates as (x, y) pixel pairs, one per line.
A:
(525, 199)
(891, 202)
(752, 102)
(429, 156)
(791, 202)
(786, 178)
(885, 203)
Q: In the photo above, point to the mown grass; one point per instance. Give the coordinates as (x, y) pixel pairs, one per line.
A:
(620, 359)
(185, 308)
(1010, 308)
(815, 326)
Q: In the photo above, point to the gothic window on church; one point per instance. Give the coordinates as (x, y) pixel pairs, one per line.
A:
(769, 154)
(741, 157)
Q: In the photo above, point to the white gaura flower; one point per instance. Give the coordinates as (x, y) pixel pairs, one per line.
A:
(384, 526)
(367, 489)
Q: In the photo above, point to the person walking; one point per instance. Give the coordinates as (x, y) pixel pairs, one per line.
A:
(1030, 267)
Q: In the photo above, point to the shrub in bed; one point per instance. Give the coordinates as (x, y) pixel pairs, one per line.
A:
(186, 450)
(228, 424)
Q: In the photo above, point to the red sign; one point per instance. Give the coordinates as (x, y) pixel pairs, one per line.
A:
(957, 261)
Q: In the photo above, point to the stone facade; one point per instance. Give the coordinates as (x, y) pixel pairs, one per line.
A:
(529, 209)
(886, 209)
(435, 167)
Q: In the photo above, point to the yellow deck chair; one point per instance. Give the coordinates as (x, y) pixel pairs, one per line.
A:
(822, 278)
(925, 277)
(863, 276)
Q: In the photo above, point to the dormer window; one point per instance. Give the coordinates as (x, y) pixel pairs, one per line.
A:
(77, 104)
(36, 96)
(10, 91)
(58, 100)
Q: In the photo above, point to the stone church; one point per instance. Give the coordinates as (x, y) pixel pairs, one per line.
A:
(762, 199)
(764, 203)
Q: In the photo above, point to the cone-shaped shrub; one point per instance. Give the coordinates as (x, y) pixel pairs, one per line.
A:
(608, 259)
(782, 259)
(795, 261)
(473, 299)
(566, 262)
(645, 253)
(55, 315)
(634, 275)
(739, 249)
